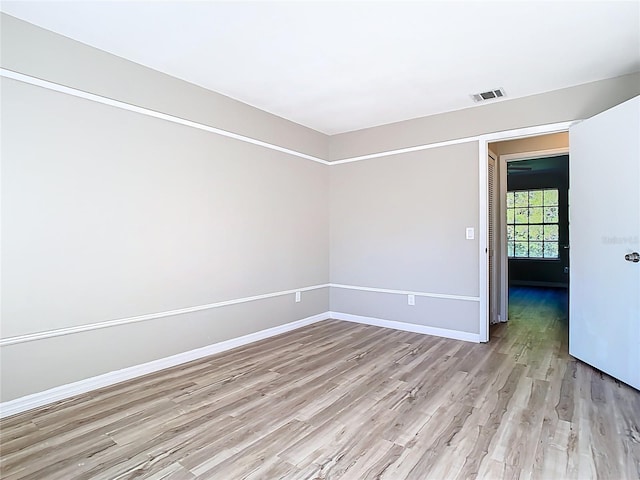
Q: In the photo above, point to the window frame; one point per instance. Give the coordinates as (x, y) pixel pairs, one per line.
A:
(528, 224)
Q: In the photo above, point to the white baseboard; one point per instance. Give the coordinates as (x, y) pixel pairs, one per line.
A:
(408, 327)
(35, 400)
(28, 402)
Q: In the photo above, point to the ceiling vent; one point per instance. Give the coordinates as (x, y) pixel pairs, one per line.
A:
(490, 95)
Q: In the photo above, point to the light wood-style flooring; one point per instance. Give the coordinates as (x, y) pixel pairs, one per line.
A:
(338, 400)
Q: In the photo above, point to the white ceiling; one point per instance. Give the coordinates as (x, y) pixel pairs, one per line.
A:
(342, 66)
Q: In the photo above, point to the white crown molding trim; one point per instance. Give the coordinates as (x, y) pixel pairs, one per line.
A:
(400, 151)
(511, 134)
(28, 402)
(518, 133)
(407, 327)
(406, 292)
(29, 337)
(38, 82)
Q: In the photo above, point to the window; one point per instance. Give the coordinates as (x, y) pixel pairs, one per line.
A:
(532, 223)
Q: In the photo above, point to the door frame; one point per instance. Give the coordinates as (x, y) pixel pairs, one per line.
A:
(494, 277)
(503, 314)
(483, 202)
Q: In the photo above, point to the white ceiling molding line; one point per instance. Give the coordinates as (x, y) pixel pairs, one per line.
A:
(400, 151)
(21, 77)
(519, 133)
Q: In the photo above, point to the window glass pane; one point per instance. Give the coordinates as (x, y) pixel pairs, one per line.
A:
(522, 232)
(550, 250)
(535, 249)
(535, 233)
(550, 214)
(522, 215)
(535, 215)
(551, 233)
(551, 198)
(535, 198)
(522, 249)
(522, 199)
(532, 223)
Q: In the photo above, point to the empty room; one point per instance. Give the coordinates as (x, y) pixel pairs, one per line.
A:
(320, 240)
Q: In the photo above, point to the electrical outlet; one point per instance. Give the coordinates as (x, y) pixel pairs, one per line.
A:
(411, 299)
(297, 297)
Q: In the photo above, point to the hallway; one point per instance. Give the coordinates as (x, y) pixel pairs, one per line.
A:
(538, 313)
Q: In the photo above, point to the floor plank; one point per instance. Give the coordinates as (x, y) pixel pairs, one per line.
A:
(338, 400)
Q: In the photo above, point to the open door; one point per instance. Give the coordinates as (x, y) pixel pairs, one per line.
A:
(604, 217)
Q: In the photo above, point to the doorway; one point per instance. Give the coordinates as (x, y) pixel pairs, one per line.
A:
(531, 218)
(603, 304)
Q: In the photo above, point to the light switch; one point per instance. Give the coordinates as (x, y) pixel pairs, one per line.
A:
(471, 234)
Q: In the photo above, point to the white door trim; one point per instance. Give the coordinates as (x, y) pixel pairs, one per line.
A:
(494, 245)
(483, 152)
(514, 157)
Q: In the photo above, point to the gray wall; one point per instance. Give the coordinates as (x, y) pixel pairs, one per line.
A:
(109, 214)
(28, 49)
(531, 144)
(572, 103)
(396, 223)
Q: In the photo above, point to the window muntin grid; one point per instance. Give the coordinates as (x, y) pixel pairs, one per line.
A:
(532, 223)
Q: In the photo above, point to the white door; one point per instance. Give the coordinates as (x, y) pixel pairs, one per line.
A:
(604, 224)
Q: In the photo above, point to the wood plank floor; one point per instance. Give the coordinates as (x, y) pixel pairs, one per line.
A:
(338, 400)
